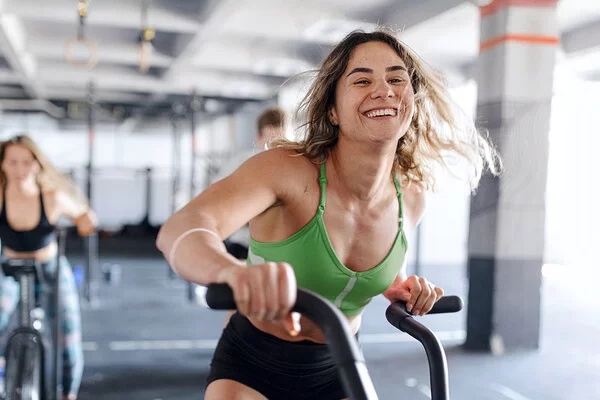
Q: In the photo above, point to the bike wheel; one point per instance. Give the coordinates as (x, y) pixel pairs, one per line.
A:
(24, 371)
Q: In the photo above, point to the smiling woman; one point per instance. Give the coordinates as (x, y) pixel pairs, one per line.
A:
(434, 129)
(329, 213)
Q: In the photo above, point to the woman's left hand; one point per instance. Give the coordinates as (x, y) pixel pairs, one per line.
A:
(419, 294)
(86, 223)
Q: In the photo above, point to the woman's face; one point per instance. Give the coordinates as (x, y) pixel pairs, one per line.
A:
(374, 98)
(19, 164)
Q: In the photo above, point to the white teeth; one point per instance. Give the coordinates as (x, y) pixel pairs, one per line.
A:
(380, 113)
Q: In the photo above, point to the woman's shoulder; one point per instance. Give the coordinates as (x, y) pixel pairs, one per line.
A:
(285, 170)
(54, 198)
(284, 160)
(51, 197)
(50, 193)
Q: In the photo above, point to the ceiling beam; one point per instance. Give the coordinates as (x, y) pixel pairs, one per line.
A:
(68, 93)
(32, 105)
(581, 39)
(113, 13)
(119, 78)
(120, 53)
(211, 29)
(8, 76)
(12, 45)
(11, 92)
(412, 13)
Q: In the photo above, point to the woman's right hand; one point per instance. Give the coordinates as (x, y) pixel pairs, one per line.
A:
(266, 292)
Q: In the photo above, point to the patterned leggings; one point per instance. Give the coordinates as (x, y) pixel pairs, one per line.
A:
(71, 318)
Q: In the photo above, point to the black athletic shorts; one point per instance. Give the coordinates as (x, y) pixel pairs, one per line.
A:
(278, 369)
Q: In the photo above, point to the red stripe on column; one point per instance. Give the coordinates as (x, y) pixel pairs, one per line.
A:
(535, 39)
(498, 5)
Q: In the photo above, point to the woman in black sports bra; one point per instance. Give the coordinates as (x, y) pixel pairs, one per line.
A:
(33, 196)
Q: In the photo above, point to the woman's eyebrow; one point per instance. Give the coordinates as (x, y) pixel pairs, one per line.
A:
(370, 71)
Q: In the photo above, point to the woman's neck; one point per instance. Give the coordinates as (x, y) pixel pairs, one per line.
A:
(26, 187)
(363, 177)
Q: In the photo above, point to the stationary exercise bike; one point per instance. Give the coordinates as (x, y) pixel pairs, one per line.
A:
(353, 371)
(33, 351)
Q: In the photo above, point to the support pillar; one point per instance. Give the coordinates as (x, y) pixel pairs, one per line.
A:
(518, 44)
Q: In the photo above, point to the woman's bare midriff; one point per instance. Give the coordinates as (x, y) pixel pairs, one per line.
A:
(309, 330)
(43, 255)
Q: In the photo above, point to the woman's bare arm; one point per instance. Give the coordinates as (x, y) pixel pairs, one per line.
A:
(82, 216)
(219, 211)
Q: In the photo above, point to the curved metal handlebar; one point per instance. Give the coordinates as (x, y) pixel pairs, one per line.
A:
(354, 375)
(353, 371)
(398, 316)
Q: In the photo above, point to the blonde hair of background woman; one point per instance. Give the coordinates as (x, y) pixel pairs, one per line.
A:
(48, 177)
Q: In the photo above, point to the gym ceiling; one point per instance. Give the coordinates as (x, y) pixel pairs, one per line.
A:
(142, 57)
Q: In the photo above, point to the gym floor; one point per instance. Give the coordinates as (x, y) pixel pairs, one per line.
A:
(144, 341)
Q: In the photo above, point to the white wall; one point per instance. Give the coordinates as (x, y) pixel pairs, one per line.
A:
(444, 228)
(289, 97)
(120, 156)
(573, 215)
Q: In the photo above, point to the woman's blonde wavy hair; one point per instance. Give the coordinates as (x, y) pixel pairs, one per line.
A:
(49, 177)
(434, 133)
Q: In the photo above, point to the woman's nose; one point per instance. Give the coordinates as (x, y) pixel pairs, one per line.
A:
(382, 89)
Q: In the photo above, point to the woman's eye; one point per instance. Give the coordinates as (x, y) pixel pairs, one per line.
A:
(396, 80)
(361, 82)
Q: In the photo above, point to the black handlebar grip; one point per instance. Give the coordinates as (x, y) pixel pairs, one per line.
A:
(447, 304)
(219, 296)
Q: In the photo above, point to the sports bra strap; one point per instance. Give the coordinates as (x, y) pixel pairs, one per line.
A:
(323, 200)
(399, 193)
(3, 212)
(323, 183)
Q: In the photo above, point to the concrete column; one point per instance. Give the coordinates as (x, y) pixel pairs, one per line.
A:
(518, 43)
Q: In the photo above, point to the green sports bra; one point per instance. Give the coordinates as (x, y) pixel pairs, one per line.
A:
(310, 252)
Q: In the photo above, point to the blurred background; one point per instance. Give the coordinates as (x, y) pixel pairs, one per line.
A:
(146, 99)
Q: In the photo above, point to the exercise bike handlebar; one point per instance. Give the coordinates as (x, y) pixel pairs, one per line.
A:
(399, 317)
(18, 262)
(345, 351)
(12, 266)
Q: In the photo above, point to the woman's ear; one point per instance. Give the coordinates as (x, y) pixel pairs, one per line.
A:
(333, 117)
